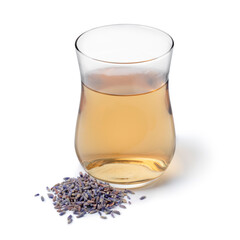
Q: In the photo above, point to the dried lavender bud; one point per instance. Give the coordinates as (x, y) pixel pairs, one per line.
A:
(50, 195)
(122, 206)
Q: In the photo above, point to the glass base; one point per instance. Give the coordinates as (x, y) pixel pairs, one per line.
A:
(127, 172)
(133, 186)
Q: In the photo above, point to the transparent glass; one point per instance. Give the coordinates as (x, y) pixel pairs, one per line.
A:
(125, 132)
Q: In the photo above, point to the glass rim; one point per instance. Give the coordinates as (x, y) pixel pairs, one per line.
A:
(130, 62)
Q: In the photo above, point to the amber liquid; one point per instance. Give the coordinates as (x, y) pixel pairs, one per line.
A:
(125, 132)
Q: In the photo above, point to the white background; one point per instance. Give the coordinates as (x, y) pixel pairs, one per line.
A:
(198, 197)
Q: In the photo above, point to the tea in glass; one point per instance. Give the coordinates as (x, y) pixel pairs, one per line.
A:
(125, 132)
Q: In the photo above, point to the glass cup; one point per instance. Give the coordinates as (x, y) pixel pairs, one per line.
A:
(125, 131)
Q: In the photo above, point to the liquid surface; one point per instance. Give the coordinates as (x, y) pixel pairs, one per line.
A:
(125, 138)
